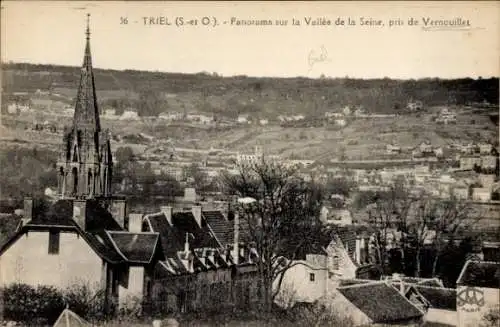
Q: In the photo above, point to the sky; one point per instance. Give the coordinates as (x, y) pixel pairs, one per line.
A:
(53, 33)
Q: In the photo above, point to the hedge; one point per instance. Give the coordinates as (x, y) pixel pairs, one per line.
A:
(43, 304)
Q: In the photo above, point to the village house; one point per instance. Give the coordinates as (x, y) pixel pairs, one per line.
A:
(129, 114)
(304, 282)
(346, 111)
(374, 303)
(336, 254)
(393, 149)
(207, 263)
(85, 236)
(481, 194)
(438, 303)
(243, 119)
(478, 291)
(170, 116)
(414, 105)
(332, 114)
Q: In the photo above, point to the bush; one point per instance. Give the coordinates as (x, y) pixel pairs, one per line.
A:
(43, 304)
(25, 303)
(85, 302)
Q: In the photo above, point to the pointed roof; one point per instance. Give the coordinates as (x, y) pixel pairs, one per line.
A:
(86, 109)
(69, 318)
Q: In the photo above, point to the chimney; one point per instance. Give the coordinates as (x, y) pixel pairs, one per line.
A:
(167, 211)
(117, 210)
(135, 222)
(79, 213)
(358, 250)
(196, 210)
(236, 250)
(28, 210)
(186, 244)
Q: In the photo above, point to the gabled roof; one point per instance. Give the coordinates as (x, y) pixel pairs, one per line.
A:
(222, 228)
(480, 274)
(170, 239)
(70, 319)
(380, 302)
(438, 297)
(185, 222)
(135, 247)
(99, 222)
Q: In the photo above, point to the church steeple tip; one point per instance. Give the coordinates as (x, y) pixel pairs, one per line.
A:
(87, 31)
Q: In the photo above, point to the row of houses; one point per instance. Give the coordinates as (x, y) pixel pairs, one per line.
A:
(399, 300)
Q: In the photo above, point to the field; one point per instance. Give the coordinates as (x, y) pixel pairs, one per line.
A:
(363, 138)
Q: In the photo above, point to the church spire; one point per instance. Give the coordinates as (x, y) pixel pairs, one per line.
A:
(85, 165)
(86, 109)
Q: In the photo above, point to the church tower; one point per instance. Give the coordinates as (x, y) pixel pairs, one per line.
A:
(85, 163)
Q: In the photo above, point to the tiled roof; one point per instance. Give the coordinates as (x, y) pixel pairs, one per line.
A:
(185, 222)
(380, 302)
(439, 297)
(171, 239)
(98, 218)
(135, 247)
(222, 228)
(59, 213)
(480, 274)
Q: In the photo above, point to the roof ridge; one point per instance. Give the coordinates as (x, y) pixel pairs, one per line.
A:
(127, 232)
(116, 246)
(376, 282)
(435, 287)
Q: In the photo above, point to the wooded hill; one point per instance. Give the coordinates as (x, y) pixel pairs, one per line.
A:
(152, 92)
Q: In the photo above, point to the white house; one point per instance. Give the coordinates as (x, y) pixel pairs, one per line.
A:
(243, 119)
(129, 115)
(478, 291)
(71, 245)
(481, 194)
(304, 281)
(340, 122)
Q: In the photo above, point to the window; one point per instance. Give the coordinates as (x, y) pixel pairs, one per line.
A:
(53, 242)
(311, 277)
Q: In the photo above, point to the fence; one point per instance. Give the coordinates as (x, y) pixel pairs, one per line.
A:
(185, 296)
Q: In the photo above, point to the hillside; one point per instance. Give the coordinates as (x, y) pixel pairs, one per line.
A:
(154, 92)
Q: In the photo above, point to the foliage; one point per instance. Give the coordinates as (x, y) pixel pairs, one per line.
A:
(492, 317)
(24, 303)
(282, 219)
(26, 172)
(85, 301)
(130, 176)
(377, 95)
(44, 304)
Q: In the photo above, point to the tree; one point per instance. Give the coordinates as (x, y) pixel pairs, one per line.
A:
(388, 215)
(453, 216)
(414, 223)
(199, 179)
(282, 220)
